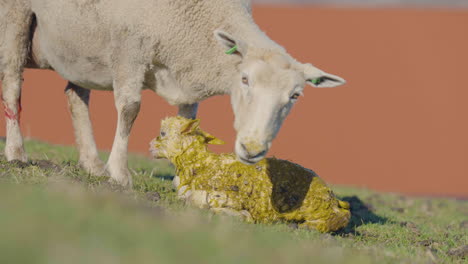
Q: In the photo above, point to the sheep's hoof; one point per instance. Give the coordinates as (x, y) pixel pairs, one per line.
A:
(121, 177)
(94, 167)
(16, 153)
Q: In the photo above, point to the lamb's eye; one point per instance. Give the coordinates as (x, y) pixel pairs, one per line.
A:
(295, 96)
(162, 134)
(245, 80)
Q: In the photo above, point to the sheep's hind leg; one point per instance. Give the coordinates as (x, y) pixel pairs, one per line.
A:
(78, 103)
(14, 147)
(14, 26)
(188, 110)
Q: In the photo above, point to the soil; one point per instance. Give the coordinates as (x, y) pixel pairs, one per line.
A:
(153, 196)
(461, 252)
(42, 164)
(46, 165)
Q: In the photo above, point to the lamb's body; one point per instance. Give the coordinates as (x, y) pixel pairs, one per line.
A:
(270, 191)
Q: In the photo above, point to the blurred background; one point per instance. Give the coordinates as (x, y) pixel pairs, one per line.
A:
(399, 125)
(366, 3)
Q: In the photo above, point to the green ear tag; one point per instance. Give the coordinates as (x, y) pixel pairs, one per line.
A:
(316, 81)
(232, 50)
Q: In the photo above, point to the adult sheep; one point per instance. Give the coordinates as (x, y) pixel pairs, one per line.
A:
(169, 46)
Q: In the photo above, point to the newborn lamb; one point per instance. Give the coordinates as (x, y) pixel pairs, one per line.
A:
(273, 190)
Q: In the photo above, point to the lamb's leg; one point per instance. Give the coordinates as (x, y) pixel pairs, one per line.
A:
(78, 99)
(243, 214)
(217, 201)
(14, 42)
(127, 93)
(187, 111)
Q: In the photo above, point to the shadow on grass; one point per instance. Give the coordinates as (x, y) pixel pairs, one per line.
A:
(361, 214)
(165, 176)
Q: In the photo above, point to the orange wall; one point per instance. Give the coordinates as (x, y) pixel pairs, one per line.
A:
(400, 124)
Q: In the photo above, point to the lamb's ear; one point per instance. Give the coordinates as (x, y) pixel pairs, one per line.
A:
(318, 78)
(191, 126)
(210, 139)
(232, 45)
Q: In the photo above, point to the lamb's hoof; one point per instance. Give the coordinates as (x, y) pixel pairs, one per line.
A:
(176, 182)
(198, 198)
(247, 216)
(183, 193)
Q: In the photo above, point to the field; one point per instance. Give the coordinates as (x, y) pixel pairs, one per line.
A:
(51, 211)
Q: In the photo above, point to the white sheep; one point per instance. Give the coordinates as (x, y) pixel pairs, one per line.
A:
(270, 191)
(176, 48)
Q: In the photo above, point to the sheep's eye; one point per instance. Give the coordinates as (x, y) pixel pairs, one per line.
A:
(162, 134)
(295, 96)
(245, 80)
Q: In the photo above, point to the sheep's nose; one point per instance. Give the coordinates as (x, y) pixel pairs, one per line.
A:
(253, 154)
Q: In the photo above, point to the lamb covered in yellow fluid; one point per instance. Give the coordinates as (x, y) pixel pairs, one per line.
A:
(271, 191)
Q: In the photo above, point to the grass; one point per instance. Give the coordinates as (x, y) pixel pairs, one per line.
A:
(51, 211)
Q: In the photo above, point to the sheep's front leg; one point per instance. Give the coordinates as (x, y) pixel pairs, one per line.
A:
(78, 100)
(127, 93)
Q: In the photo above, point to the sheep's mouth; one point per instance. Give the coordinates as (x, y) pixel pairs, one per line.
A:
(248, 161)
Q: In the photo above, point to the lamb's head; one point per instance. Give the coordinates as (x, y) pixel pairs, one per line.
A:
(177, 135)
(268, 84)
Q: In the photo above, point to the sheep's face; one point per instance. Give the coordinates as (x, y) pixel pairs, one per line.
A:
(267, 86)
(177, 134)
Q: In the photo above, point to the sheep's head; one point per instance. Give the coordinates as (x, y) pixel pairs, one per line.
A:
(178, 134)
(268, 84)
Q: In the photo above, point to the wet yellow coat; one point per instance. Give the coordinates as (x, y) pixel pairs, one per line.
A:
(270, 191)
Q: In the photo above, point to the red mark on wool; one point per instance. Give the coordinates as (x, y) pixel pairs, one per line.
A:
(10, 114)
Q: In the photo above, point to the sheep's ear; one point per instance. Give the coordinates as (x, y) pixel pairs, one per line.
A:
(191, 126)
(232, 45)
(318, 78)
(210, 139)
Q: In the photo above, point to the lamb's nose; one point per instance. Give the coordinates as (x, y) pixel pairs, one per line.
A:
(252, 155)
